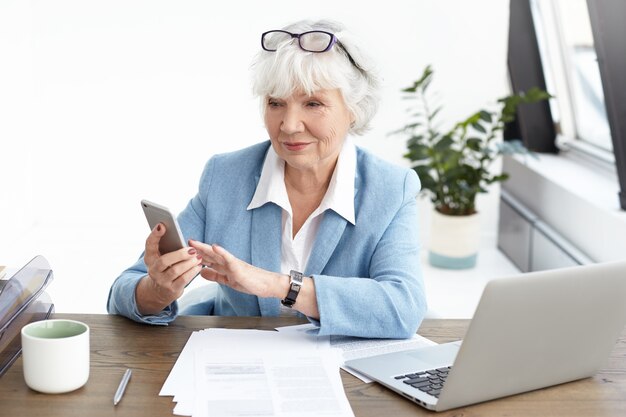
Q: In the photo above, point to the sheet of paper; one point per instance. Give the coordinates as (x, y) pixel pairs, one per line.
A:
(269, 384)
(357, 348)
(180, 382)
(183, 367)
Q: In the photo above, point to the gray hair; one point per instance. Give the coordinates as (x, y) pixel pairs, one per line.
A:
(344, 67)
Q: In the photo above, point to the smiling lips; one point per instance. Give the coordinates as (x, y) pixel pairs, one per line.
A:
(295, 146)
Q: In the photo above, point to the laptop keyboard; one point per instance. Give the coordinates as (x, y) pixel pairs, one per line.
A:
(430, 382)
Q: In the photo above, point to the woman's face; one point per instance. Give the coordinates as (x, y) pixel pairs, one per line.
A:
(308, 131)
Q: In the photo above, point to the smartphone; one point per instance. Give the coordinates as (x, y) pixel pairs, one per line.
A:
(172, 239)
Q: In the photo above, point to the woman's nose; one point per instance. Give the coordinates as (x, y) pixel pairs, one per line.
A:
(292, 122)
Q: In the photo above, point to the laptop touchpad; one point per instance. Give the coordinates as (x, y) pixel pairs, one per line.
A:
(436, 356)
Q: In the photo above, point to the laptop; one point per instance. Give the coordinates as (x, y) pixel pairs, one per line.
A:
(529, 331)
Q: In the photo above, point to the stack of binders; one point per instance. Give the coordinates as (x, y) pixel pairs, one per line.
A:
(23, 301)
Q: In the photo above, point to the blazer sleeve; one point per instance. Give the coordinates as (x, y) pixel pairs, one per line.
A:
(122, 293)
(392, 302)
(122, 297)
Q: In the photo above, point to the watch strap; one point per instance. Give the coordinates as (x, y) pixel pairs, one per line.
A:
(295, 283)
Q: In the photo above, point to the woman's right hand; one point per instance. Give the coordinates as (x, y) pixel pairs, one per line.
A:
(168, 274)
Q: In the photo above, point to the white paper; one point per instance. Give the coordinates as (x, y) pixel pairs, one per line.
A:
(180, 382)
(269, 384)
(357, 348)
(182, 368)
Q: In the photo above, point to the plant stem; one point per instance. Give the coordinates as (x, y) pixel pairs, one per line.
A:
(431, 136)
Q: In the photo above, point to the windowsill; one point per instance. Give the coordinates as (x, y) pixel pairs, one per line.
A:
(597, 186)
(578, 199)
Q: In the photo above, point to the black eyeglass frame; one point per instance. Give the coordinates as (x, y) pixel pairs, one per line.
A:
(297, 36)
(333, 39)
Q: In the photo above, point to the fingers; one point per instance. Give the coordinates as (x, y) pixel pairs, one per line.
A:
(217, 259)
(223, 253)
(152, 242)
(160, 288)
(212, 275)
(185, 278)
(165, 269)
(226, 269)
(178, 266)
(209, 256)
(200, 246)
(166, 263)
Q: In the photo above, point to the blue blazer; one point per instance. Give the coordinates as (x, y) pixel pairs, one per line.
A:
(367, 276)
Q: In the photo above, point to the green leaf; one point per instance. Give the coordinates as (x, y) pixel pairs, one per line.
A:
(474, 118)
(425, 78)
(443, 144)
(417, 152)
(478, 126)
(414, 140)
(535, 94)
(474, 144)
(427, 180)
(485, 115)
(434, 114)
(452, 165)
(499, 178)
(411, 126)
(421, 83)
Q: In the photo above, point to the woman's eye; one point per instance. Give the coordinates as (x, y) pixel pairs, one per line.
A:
(313, 104)
(273, 103)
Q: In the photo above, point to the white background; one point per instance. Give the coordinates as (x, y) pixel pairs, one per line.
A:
(103, 103)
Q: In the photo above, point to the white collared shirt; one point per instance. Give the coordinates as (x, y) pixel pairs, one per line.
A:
(295, 251)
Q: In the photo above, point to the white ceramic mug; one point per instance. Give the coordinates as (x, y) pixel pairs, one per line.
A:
(55, 355)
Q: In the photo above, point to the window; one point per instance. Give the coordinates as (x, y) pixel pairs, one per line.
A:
(572, 74)
(583, 64)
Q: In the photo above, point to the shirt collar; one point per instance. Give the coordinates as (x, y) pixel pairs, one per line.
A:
(340, 194)
(271, 186)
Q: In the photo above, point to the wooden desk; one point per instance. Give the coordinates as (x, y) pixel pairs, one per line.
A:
(118, 343)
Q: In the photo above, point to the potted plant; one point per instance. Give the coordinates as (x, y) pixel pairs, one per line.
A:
(454, 166)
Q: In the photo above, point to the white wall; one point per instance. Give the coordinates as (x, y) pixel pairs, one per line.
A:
(105, 103)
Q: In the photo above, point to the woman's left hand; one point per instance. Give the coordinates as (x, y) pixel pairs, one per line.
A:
(225, 268)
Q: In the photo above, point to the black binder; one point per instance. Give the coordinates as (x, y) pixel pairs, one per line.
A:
(23, 301)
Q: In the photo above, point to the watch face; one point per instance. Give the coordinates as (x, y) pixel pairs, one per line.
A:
(296, 277)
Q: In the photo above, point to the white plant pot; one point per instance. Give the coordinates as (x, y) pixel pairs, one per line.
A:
(454, 240)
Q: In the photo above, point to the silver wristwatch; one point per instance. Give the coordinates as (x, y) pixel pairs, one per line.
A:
(295, 283)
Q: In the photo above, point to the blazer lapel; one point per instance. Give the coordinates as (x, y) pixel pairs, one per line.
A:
(265, 247)
(328, 236)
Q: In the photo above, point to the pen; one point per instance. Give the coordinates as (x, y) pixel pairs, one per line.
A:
(120, 390)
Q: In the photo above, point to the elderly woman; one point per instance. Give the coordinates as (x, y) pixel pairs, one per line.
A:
(305, 223)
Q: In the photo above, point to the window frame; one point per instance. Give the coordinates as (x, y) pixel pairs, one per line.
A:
(534, 123)
(607, 29)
